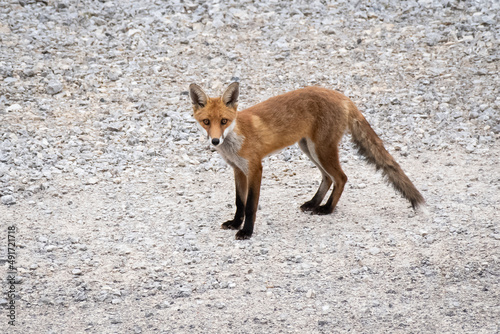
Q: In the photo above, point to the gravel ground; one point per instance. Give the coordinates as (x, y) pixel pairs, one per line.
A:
(117, 198)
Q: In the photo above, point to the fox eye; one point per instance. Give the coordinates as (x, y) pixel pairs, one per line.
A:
(223, 121)
(206, 121)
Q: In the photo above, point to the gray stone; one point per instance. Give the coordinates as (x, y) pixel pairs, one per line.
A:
(54, 87)
(77, 271)
(80, 296)
(29, 72)
(8, 200)
(92, 181)
(311, 293)
(115, 126)
(50, 248)
(433, 39)
(114, 75)
(14, 107)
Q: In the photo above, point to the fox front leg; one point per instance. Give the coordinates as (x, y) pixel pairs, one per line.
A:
(252, 202)
(240, 181)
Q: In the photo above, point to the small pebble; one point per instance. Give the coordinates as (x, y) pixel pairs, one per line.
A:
(310, 293)
(14, 107)
(50, 248)
(54, 87)
(76, 271)
(8, 200)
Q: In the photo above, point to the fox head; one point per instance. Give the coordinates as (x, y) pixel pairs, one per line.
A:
(215, 116)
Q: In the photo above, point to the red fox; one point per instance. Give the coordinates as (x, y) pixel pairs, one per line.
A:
(316, 118)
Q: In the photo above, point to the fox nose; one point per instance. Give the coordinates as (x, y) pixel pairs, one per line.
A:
(215, 141)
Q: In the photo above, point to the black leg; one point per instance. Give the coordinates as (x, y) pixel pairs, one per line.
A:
(326, 180)
(252, 203)
(311, 205)
(238, 217)
(240, 181)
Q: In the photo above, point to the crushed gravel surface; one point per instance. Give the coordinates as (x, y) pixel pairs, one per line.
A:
(117, 199)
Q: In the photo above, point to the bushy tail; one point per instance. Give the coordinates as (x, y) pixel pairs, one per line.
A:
(371, 147)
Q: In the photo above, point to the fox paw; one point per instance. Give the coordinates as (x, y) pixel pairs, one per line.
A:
(308, 206)
(243, 235)
(231, 225)
(322, 210)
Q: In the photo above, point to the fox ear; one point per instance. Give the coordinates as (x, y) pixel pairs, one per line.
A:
(198, 96)
(230, 96)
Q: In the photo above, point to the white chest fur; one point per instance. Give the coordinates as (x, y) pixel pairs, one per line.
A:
(229, 150)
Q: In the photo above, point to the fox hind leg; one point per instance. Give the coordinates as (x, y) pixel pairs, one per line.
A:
(329, 159)
(326, 180)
